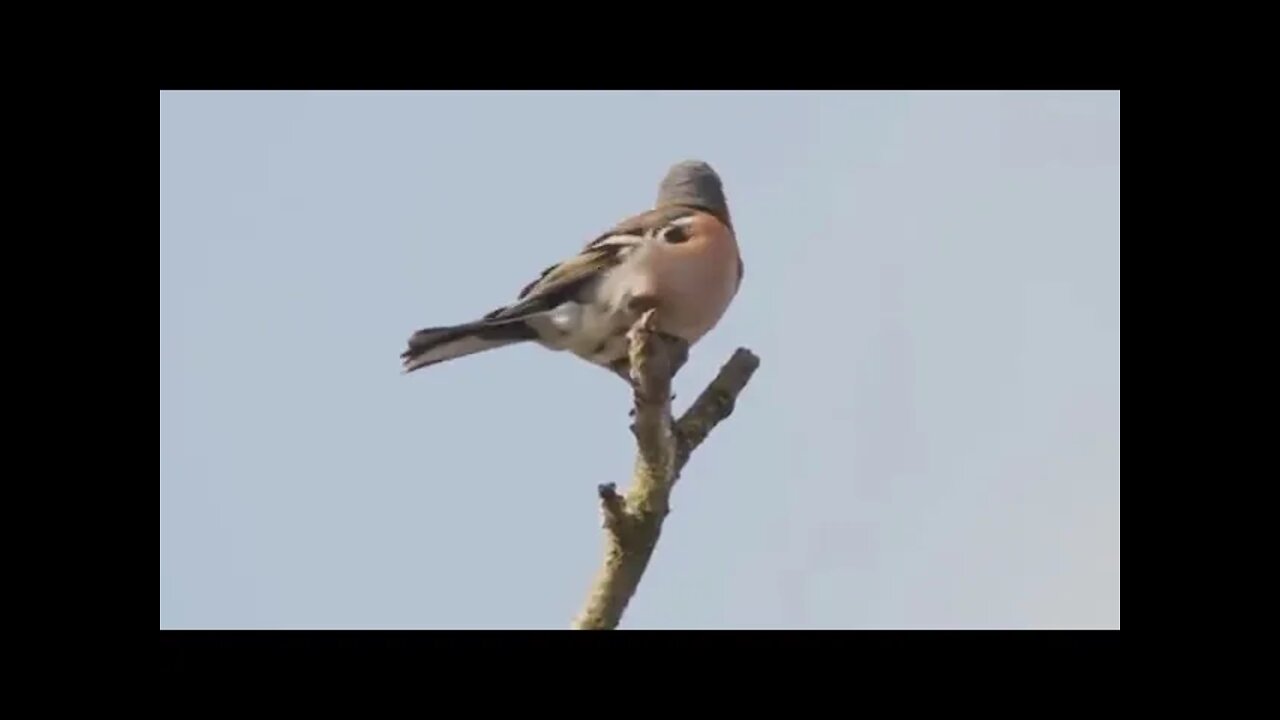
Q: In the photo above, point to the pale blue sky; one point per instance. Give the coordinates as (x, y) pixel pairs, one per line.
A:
(932, 284)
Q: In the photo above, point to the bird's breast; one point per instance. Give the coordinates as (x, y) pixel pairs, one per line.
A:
(694, 283)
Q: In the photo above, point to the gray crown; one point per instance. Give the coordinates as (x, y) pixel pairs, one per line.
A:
(693, 183)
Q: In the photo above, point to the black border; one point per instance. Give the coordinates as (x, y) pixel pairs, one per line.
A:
(993, 655)
(867, 48)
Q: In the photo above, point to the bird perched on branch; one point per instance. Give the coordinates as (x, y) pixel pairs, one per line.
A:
(681, 258)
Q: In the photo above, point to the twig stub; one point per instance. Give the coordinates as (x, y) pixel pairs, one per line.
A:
(612, 506)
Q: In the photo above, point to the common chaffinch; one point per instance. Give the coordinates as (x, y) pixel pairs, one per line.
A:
(680, 257)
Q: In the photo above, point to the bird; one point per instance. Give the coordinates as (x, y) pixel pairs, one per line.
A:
(680, 258)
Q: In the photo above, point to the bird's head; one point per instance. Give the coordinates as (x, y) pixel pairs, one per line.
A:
(694, 183)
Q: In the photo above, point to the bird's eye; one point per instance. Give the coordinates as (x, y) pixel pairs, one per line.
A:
(675, 234)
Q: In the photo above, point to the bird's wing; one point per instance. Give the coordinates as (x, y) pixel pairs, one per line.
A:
(560, 281)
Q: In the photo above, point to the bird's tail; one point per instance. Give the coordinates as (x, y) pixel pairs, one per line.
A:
(430, 346)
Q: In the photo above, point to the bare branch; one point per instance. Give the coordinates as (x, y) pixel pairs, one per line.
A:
(633, 524)
(714, 405)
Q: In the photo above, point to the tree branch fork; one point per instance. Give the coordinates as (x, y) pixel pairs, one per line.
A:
(633, 522)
